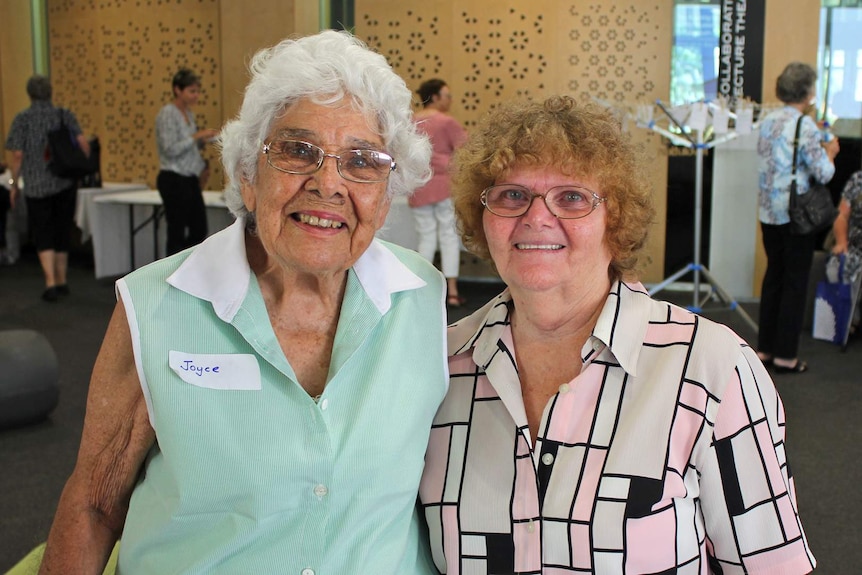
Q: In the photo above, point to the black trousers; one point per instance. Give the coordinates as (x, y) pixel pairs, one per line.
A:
(50, 220)
(785, 285)
(185, 212)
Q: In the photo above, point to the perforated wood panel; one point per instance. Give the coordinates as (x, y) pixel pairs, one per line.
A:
(112, 62)
(488, 51)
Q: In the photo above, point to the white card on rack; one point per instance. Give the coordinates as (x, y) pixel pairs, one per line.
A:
(697, 117)
(720, 120)
(744, 120)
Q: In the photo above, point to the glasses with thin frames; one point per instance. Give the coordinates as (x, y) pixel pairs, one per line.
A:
(564, 202)
(303, 158)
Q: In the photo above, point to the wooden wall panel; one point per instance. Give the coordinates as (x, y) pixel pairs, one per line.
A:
(490, 51)
(250, 26)
(112, 62)
(16, 60)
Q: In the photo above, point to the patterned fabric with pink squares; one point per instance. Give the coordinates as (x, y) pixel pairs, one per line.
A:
(665, 455)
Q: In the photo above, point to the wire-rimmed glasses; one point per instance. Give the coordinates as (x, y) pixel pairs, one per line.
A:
(302, 158)
(564, 202)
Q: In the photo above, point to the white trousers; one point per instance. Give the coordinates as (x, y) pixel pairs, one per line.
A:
(433, 222)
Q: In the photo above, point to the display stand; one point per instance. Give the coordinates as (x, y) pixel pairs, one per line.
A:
(696, 142)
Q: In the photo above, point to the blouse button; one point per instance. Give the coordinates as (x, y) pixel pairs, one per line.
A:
(307, 571)
(564, 388)
(320, 491)
(548, 458)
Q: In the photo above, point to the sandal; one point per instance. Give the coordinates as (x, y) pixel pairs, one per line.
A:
(798, 367)
(765, 360)
(455, 300)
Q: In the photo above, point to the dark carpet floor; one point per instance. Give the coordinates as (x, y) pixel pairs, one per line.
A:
(823, 415)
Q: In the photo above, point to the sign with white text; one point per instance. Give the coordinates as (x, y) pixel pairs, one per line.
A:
(740, 62)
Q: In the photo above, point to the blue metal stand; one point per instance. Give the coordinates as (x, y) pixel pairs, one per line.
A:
(695, 267)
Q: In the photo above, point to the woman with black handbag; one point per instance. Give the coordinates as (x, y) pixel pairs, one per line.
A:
(50, 198)
(808, 160)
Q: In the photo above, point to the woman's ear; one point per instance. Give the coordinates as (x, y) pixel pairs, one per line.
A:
(249, 198)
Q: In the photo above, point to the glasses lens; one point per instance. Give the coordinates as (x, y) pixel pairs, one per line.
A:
(365, 165)
(294, 156)
(508, 199)
(568, 202)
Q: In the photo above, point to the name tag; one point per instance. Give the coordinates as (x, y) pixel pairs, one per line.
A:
(237, 371)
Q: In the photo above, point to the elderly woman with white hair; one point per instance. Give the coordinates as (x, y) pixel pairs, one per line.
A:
(262, 402)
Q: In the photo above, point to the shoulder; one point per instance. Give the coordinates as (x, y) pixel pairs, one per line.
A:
(167, 111)
(157, 272)
(853, 187)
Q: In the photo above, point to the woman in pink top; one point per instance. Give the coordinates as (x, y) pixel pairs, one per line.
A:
(431, 204)
(587, 427)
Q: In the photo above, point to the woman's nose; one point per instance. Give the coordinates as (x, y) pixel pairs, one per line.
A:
(538, 213)
(328, 178)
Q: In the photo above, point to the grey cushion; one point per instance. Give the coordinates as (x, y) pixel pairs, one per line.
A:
(28, 377)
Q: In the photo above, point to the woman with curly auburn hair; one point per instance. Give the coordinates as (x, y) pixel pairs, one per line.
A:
(587, 427)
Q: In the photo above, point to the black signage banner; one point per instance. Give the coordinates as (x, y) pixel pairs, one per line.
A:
(740, 41)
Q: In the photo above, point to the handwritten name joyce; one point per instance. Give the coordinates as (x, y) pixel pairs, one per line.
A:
(199, 370)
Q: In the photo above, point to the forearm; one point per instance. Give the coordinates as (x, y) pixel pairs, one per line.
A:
(80, 540)
(839, 228)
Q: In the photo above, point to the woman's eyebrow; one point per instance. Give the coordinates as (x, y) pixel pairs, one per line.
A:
(310, 136)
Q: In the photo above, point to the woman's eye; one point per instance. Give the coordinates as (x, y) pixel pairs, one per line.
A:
(297, 150)
(514, 194)
(359, 160)
(572, 197)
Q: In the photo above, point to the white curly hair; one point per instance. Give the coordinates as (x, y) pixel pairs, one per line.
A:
(325, 68)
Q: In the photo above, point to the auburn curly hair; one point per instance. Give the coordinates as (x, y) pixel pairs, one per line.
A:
(562, 135)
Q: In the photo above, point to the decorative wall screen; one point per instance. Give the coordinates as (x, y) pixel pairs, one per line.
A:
(112, 62)
(489, 51)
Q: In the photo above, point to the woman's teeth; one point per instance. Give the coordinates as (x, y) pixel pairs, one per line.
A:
(318, 222)
(539, 246)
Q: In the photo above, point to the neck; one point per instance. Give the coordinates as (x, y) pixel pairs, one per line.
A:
(554, 316)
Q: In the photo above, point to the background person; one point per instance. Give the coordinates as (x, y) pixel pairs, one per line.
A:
(788, 256)
(589, 428)
(848, 235)
(180, 164)
(431, 205)
(262, 403)
(50, 199)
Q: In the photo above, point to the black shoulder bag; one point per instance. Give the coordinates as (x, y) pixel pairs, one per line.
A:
(65, 157)
(813, 211)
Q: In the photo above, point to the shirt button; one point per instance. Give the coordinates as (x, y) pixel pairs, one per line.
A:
(320, 491)
(548, 458)
(564, 388)
(324, 403)
(307, 571)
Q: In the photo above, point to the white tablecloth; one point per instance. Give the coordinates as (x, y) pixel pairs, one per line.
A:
(109, 225)
(84, 205)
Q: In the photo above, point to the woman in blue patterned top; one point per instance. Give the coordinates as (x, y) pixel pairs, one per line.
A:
(788, 256)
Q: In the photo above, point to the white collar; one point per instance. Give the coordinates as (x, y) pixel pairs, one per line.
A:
(217, 271)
